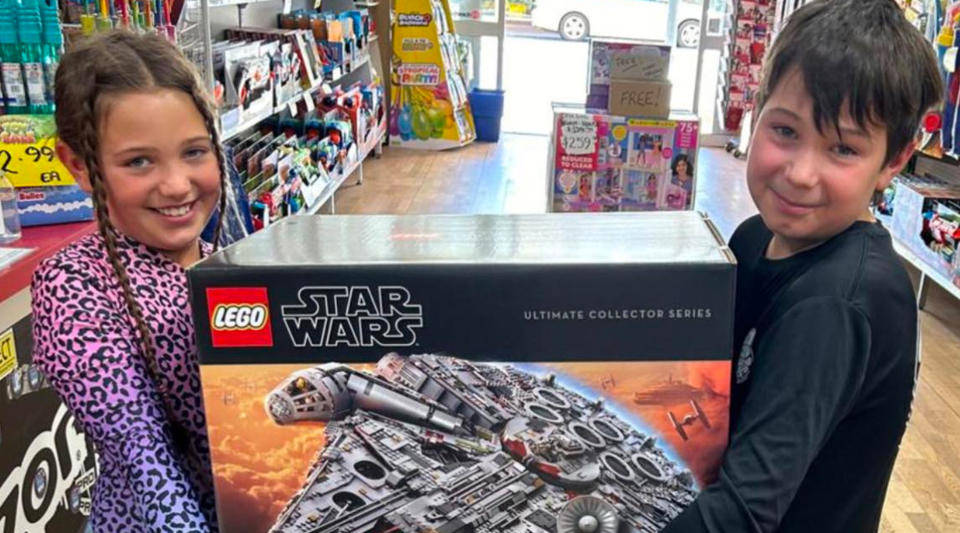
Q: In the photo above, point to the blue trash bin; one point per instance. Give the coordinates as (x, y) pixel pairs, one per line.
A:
(487, 106)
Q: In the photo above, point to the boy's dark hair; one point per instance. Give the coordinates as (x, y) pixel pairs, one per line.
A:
(863, 53)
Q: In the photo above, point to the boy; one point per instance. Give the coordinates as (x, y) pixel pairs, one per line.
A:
(826, 318)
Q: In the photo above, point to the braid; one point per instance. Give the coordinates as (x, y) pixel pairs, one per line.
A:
(109, 239)
(89, 74)
(205, 108)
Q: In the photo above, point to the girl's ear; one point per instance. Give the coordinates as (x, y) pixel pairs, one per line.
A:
(76, 166)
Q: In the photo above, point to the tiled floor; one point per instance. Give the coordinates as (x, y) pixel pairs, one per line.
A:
(511, 177)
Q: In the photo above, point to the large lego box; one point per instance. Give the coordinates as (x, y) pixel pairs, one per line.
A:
(537, 373)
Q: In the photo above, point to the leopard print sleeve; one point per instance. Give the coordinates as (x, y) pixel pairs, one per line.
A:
(86, 344)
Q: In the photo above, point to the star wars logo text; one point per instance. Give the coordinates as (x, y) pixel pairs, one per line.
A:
(356, 316)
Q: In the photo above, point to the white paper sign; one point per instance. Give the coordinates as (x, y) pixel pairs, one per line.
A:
(578, 134)
(638, 67)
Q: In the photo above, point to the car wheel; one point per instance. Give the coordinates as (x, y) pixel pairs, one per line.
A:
(688, 34)
(574, 27)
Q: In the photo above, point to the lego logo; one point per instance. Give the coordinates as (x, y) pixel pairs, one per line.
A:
(234, 317)
(239, 317)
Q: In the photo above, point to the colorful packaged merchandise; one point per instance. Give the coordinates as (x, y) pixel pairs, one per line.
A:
(465, 373)
(600, 162)
(926, 220)
(748, 43)
(430, 108)
(46, 192)
(49, 466)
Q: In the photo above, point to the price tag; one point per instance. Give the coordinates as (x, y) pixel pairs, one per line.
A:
(308, 99)
(292, 106)
(8, 353)
(27, 154)
(578, 134)
(33, 165)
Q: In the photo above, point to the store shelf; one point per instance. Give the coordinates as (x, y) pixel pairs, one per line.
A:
(337, 181)
(246, 125)
(925, 269)
(249, 123)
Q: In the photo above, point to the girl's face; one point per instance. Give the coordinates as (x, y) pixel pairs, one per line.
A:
(682, 167)
(159, 170)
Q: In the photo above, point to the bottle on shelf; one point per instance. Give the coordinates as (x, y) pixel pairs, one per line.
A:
(52, 46)
(9, 217)
(30, 31)
(14, 90)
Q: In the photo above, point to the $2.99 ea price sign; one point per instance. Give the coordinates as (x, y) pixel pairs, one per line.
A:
(27, 154)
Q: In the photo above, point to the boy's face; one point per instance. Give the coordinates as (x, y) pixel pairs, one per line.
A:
(807, 185)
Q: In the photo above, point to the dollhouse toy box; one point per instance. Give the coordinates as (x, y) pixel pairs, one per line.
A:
(465, 373)
(603, 162)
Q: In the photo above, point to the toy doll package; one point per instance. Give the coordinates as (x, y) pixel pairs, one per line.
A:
(601, 162)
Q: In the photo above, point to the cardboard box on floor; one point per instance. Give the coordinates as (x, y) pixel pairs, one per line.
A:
(454, 373)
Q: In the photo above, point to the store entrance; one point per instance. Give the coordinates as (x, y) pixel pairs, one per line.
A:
(546, 51)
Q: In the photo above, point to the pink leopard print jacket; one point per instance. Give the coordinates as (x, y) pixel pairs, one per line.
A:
(87, 345)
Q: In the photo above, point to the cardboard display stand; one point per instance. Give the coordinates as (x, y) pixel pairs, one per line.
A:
(430, 108)
(454, 373)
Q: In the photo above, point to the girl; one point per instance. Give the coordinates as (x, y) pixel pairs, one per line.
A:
(682, 173)
(112, 324)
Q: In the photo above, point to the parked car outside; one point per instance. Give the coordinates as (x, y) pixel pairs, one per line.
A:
(620, 19)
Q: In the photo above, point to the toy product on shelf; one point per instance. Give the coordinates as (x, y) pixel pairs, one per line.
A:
(926, 220)
(417, 373)
(296, 161)
(602, 162)
(430, 108)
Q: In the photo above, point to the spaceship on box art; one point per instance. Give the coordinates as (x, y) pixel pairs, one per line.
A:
(431, 443)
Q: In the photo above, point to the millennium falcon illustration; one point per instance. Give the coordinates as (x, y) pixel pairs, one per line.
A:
(437, 444)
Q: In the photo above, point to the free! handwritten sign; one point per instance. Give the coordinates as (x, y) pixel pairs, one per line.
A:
(640, 98)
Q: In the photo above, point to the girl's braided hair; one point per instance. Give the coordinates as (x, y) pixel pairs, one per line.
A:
(89, 75)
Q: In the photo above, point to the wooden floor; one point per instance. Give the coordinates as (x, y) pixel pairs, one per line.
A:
(510, 177)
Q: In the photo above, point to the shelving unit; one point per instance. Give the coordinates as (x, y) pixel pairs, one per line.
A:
(327, 195)
(926, 275)
(247, 124)
(202, 20)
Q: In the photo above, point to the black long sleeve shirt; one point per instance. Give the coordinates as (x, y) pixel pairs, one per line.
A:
(822, 385)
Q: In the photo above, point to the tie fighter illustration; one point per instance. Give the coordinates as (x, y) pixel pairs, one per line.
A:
(608, 382)
(689, 419)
